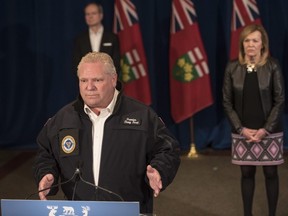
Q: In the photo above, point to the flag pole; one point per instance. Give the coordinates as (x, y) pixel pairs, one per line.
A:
(192, 153)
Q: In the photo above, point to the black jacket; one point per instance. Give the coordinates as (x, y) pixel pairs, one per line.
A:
(134, 137)
(109, 44)
(271, 88)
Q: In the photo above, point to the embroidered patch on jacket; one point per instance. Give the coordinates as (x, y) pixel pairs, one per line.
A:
(131, 121)
(68, 144)
(68, 140)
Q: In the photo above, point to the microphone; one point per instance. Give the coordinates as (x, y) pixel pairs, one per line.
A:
(77, 171)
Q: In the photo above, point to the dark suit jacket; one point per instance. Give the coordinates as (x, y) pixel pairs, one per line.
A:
(109, 44)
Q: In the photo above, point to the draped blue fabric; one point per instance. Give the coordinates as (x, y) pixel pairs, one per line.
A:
(36, 39)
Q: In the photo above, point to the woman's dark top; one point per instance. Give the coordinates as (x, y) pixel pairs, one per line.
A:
(253, 115)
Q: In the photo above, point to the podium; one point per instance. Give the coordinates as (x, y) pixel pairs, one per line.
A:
(68, 208)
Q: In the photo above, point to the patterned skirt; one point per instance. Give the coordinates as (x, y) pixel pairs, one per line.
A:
(267, 152)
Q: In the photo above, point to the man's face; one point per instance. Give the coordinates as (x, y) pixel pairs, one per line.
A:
(92, 15)
(96, 86)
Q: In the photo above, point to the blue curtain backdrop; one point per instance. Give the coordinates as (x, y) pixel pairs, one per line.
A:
(36, 39)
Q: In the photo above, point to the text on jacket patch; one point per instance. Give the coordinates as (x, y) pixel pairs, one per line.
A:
(132, 121)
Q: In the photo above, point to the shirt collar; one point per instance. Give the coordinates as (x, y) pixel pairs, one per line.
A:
(100, 31)
(109, 108)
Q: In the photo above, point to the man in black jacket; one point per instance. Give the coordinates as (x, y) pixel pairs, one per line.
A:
(95, 38)
(118, 143)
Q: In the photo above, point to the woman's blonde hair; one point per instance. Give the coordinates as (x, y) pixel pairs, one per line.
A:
(265, 43)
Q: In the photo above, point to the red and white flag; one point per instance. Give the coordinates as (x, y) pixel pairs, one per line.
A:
(245, 12)
(190, 86)
(134, 70)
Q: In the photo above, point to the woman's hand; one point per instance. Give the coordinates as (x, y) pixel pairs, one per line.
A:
(249, 134)
(253, 135)
(260, 134)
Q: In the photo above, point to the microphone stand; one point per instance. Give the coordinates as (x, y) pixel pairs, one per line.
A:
(98, 187)
(78, 176)
(56, 185)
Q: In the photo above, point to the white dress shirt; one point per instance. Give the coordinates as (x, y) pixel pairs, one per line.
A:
(98, 122)
(95, 39)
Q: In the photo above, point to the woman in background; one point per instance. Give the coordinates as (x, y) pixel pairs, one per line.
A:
(253, 99)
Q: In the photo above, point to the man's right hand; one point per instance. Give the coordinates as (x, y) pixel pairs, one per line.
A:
(45, 182)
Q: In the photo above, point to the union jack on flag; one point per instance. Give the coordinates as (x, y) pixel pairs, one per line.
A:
(245, 12)
(180, 18)
(130, 16)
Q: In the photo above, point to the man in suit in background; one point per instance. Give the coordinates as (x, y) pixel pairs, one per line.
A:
(95, 38)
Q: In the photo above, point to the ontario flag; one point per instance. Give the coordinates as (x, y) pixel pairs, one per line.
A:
(245, 12)
(134, 71)
(190, 86)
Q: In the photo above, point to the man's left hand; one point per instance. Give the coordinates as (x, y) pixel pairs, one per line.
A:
(154, 179)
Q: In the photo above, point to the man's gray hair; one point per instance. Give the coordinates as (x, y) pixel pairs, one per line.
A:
(94, 57)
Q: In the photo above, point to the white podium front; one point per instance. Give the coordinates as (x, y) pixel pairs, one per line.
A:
(11, 207)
